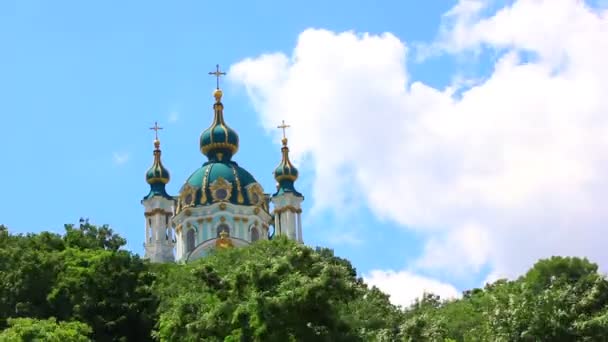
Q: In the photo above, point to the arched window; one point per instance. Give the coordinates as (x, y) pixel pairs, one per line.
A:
(223, 228)
(255, 235)
(190, 240)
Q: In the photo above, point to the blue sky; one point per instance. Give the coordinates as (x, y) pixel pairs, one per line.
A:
(81, 83)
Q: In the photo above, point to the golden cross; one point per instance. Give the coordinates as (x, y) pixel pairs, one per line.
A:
(283, 126)
(217, 73)
(156, 128)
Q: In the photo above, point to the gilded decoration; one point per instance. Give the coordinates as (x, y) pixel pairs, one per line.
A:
(157, 211)
(222, 219)
(256, 194)
(287, 208)
(240, 199)
(209, 219)
(188, 196)
(222, 206)
(224, 240)
(203, 189)
(221, 190)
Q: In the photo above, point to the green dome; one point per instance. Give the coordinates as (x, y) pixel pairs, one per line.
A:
(219, 138)
(285, 173)
(157, 175)
(218, 181)
(157, 172)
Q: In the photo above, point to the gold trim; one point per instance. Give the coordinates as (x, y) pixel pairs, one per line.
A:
(157, 211)
(204, 187)
(220, 184)
(236, 218)
(222, 206)
(286, 177)
(256, 210)
(232, 147)
(256, 189)
(239, 198)
(188, 190)
(287, 208)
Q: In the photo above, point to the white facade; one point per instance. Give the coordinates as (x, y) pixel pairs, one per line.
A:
(198, 228)
(288, 216)
(160, 238)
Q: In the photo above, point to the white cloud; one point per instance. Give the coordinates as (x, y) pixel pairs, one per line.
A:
(512, 170)
(120, 158)
(173, 117)
(404, 287)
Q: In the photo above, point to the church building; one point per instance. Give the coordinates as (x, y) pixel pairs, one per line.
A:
(220, 205)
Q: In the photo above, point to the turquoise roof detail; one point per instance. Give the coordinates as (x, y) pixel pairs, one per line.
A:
(157, 175)
(215, 175)
(219, 138)
(285, 173)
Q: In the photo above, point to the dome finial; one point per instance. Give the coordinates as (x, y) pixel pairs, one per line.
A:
(155, 129)
(217, 73)
(285, 173)
(157, 174)
(283, 126)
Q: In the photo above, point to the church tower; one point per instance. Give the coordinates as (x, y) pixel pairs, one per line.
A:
(158, 210)
(287, 201)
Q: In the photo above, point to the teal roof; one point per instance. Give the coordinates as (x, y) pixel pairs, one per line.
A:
(285, 173)
(219, 138)
(202, 180)
(157, 175)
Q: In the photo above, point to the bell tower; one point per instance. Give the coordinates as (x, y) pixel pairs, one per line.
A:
(287, 201)
(159, 206)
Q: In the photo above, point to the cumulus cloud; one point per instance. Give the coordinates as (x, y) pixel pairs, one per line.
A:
(120, 158)
(173, 117)
(405, 287)
(511, 170)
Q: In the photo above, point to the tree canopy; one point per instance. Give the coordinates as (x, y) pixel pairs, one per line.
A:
(82, 285)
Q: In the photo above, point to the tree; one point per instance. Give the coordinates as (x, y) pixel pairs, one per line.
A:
(49, 330)
(271, 291)
(83, 276)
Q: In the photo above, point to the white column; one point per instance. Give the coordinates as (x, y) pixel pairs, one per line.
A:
(277, 224)
(292, 224)
(299, 225)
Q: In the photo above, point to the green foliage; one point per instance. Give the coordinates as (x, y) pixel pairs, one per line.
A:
(49, 330)
(271, 291)
(82, 285)
(82, 276)
(559, 299)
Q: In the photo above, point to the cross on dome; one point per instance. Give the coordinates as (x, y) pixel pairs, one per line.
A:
(155, 129)
(283, 126)
(217, 73)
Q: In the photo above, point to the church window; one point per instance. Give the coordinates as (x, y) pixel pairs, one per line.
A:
(221, 194)
(223, 227)
(190, 240)
(255, 235)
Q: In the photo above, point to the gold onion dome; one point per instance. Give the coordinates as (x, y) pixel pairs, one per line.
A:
(285, 173)
(157, 175)
(219, 141)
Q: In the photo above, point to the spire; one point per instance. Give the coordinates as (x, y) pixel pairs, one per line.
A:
(285, 173)
(219, 142)
(157, 175)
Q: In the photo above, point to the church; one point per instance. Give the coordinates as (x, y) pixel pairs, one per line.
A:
(220, 205)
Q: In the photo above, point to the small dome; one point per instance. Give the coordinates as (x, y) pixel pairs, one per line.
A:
(157, 173)
(285, 173)
(219, 138)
